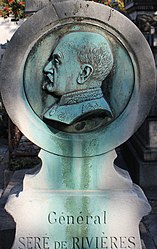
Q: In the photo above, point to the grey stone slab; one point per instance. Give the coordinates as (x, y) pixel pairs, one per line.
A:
(35, 5)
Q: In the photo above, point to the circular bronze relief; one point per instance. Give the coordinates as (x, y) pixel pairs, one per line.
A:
(78, 77)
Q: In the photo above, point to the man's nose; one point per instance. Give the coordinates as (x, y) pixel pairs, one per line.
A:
(49, 68)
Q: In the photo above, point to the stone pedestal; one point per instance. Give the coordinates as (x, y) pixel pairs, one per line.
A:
(86, 203)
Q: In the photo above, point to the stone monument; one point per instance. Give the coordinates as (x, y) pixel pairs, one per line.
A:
(77, 85)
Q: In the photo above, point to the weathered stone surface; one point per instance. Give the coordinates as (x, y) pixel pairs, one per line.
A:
(72, 219)
(35, 5)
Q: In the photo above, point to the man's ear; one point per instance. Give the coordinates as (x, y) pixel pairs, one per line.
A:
(85, 73)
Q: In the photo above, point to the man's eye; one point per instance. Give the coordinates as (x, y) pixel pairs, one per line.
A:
(56, 61)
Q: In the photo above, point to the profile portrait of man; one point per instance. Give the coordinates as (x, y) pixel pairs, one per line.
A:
(74, 72)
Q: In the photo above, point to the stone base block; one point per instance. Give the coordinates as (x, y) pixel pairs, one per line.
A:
(78, 219)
